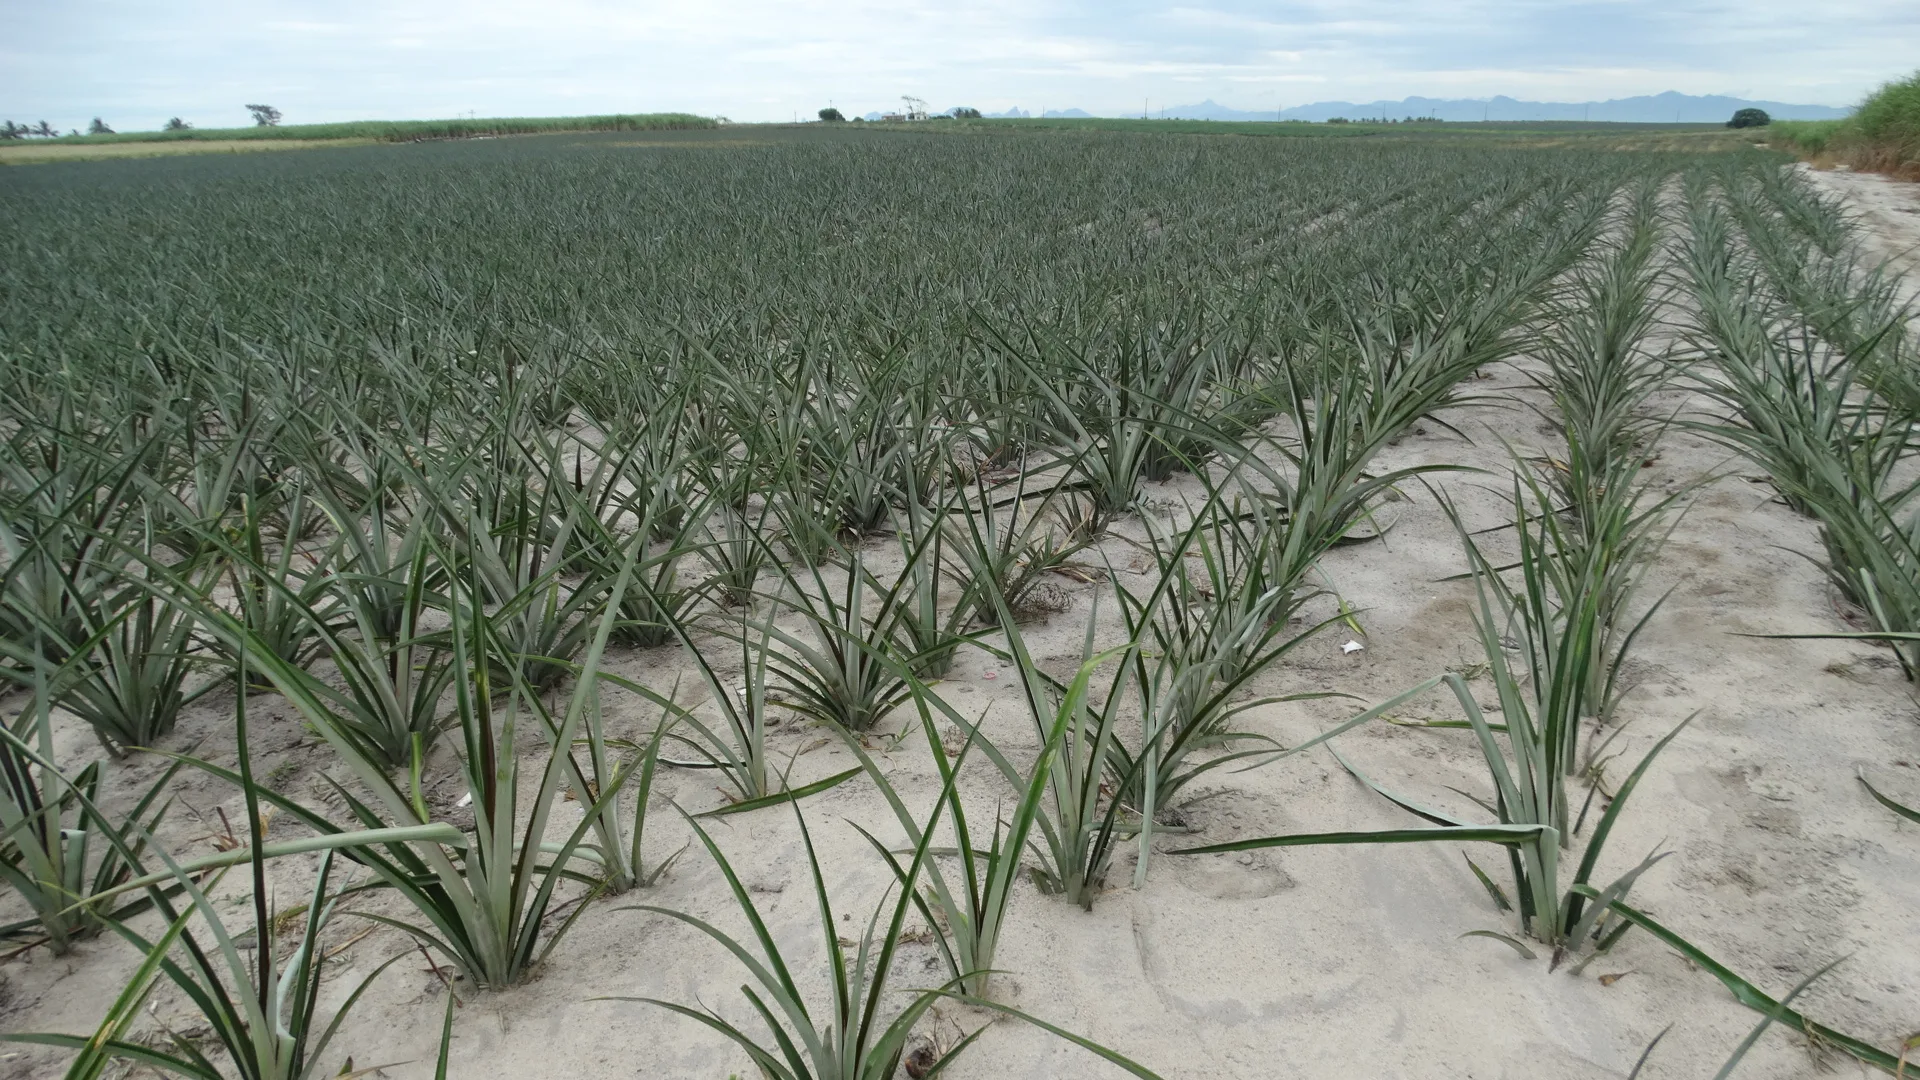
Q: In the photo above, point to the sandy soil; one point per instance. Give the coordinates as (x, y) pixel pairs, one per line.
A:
(1890, 213)
(1327, 962)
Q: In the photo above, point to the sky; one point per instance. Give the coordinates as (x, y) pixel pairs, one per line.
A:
(138, 62)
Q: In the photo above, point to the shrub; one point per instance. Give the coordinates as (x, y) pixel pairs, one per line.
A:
(1750, 118)
(831, 116)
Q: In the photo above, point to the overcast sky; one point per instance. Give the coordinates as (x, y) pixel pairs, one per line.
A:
(137, 62)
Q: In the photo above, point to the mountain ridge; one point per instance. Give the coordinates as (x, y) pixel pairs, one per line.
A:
(1670, 106)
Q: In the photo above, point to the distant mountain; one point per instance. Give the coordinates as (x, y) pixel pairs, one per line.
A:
(1667, 108)
(1018, 113)
(1067, 114)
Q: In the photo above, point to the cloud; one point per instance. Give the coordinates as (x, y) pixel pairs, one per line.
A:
(136, 62)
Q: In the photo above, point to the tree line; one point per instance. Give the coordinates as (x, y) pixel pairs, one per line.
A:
(263, 116)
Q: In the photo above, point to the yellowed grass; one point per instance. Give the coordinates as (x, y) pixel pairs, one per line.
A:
(29, 153)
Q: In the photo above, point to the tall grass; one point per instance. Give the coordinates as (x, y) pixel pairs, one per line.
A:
(1882, 135)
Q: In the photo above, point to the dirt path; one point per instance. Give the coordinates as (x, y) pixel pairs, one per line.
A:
(1890, 215)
